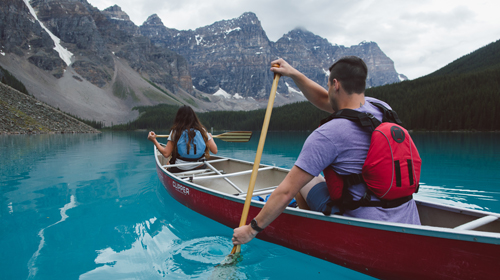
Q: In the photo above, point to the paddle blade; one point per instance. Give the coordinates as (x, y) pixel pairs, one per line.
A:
(231, 259)
(235, 136)
(228, 268)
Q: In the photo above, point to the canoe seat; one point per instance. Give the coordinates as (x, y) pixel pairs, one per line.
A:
(478, 222)
(257, 193)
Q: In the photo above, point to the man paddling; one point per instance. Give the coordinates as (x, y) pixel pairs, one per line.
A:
(339, 144)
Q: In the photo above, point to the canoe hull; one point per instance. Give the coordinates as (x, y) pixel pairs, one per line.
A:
(382, 251)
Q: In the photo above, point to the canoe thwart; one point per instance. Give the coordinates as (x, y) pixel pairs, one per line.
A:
(225, 178)
(264, 189)
(263, 192)
(233, 174)
(478, 222)
(191, 163)
(192, 172)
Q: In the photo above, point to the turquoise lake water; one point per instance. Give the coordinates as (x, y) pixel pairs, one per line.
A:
(92, 207)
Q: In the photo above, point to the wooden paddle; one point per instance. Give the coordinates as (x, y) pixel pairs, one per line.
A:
(232, 136)
(236, 249)
(227, 268)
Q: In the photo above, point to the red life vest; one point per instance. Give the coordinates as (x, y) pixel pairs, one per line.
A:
(391, 169)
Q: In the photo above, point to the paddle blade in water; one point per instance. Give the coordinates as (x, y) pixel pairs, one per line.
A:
(231, 259)
(228, 268)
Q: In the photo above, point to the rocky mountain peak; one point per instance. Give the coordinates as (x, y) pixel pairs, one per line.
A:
(115, 12)
(153, 19)
(248, 18)
(304, 36)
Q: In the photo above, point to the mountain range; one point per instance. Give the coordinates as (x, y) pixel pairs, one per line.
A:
(98, 65)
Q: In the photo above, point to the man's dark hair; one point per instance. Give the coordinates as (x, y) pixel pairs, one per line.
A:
(351, 71)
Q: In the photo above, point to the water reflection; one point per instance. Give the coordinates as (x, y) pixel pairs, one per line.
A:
(32, 263)
(22, 153)
(156, 253)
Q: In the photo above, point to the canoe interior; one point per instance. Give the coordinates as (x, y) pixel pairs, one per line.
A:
(447, 217)
(431, 214)
(265, 179)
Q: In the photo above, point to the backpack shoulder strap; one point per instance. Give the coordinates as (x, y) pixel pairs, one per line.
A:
(388, 115)
(364, 119)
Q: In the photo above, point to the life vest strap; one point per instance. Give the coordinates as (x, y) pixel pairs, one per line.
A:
(201, 159)
(366, 201)
(353, 179)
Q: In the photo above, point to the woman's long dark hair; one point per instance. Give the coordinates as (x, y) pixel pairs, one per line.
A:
(186, 119)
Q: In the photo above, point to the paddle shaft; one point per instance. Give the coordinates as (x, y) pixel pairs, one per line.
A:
(233, 136)
(260, 148)
(166, 136)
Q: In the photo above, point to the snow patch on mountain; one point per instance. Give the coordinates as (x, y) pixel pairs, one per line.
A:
(222, 93)
(233, 29)
(64, 54)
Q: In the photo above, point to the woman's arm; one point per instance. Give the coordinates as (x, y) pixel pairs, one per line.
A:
(211, 145)
(166, 151)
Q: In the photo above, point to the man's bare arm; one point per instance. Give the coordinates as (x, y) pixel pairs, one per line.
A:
(277, 202)
(315, 93)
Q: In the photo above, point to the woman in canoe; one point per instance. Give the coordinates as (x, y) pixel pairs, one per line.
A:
(188, 141)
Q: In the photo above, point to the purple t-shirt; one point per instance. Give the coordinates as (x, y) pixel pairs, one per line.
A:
(343, 145)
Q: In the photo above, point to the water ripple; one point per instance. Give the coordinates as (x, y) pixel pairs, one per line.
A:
(209, 250)
(456, 196)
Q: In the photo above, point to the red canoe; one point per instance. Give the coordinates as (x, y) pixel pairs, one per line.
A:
(452, 243)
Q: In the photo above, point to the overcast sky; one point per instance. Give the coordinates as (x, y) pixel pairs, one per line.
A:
(420, 36)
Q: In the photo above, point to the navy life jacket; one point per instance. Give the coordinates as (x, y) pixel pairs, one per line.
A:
(391, 169)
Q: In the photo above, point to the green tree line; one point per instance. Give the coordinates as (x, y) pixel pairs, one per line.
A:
(296, 116)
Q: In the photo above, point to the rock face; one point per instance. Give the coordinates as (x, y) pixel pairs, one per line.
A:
(162, 66)
(99, 64)
(22, 35)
